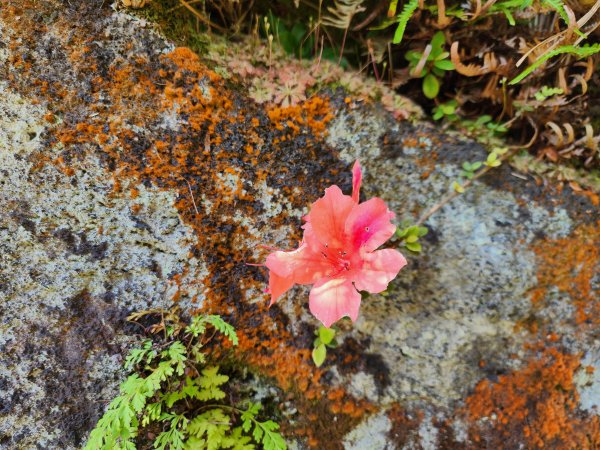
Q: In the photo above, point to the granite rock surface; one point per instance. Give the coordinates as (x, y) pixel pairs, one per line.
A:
(133, 175)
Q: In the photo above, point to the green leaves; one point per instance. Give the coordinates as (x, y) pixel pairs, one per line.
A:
(414, 247)
(176, 353)
(319, 354)
(447, 110)
(459, 188)
(136, 355)
(492, 160)
(580, 52)
(559, 7)
(211, 426)
(407, 12)
(410, 236)
(249, 415)
(469, 169)
(546, 92)
(325, 338)
(223, 327)
(436, 64)
(210, 382)
(437, 44)
(189, 389)
(163, 394)
(431, 86)
(198, 327)
(173, 438)
(266, 433)
(444, 64)
(326, 335)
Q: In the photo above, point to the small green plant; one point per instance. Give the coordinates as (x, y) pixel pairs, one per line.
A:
(469, 169)
(547, 92)
(579, 52)
(325, 338)
(410, 235)
(430, 66)
(484, 125)
(447, 110)
(407, 12)
(508, 8)
(175, 390)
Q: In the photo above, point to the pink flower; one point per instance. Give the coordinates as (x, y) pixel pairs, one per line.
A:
(338, 254)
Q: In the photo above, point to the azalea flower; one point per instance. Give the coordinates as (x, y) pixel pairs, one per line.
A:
(338, 254)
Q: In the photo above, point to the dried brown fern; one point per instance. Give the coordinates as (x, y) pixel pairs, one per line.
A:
(490, 63)
(341, 14)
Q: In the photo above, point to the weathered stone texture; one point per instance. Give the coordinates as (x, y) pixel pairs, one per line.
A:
(131, 175)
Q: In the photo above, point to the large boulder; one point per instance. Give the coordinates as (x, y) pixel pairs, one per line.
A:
(133, 176)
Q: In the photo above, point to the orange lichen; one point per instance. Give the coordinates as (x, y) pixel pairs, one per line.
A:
(427, 162)
(536, 405)
(313, 113)
(220, 154)
(214, 154)
(570, 264)
(404, 425)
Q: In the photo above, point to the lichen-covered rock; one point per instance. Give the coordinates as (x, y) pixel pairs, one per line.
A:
(133, 176)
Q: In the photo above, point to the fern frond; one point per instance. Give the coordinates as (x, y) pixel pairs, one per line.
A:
(580, 52)
(223, 327)
(490, 63)
(559, 7)
(403, 18)
(342, 13)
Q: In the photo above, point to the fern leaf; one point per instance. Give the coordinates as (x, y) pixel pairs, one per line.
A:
(197, 327)
(136, 355)
(173, 438)
(237, 441)
(403, 18)
(249, 415)
(209, 383)
(580, 52)
(213, 424)
(559, 7)
(269, 437)
(176, 353)
(223, 327)
(342, 13)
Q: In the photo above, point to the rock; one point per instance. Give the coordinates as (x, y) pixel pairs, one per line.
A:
(370, 434)
(132, 176)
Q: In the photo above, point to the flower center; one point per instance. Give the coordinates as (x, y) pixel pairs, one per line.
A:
(339, 259)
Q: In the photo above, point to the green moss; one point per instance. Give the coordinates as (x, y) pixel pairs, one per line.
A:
(177, 24)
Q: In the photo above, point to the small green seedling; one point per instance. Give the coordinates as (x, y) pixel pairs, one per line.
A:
(492, 159)
(325, 338)
(469, 169)
(459, 188)
(487, 122)
(410, 236)
(546, 92)
(447, 110)
(432, 70)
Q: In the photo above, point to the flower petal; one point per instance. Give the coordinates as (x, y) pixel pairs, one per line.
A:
(330, 300)
(328, 216)
(379, 268)
(369, 225)
(303, 265)
(278, 286)
(356, 181)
